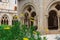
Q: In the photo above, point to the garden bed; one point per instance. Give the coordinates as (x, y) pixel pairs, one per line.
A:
(19, 31)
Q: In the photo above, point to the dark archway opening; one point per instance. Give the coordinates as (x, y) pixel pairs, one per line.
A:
(4, 20)
(14, 20)
(52, 20)
(33, 14)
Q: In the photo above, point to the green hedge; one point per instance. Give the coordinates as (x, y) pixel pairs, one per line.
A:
(19, 32)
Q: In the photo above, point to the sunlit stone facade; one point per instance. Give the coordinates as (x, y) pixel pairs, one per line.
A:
(47, 14)
(7, 11)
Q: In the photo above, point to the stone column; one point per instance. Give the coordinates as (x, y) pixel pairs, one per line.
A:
(10, 20)
(41, 17)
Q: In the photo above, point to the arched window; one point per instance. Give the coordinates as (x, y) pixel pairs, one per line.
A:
(15, 19)
(4, 20)
(52, 20)
(30, 16)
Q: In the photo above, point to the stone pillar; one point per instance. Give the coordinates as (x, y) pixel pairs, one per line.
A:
(41, 17)
(10, 20)
(46, 24)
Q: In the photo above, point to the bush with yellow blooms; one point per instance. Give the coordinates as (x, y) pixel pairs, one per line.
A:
(19, 31)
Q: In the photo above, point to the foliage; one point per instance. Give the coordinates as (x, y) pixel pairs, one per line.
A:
(18, 32)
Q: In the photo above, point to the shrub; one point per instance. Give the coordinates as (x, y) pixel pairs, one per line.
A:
(19, 32)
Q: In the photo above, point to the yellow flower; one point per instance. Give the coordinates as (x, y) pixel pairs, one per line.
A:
(32, 20)
(47, 30)
(25, 39)
(34, 32)
(21, 14)
(16, 16)
(7, 28)
(32, 17)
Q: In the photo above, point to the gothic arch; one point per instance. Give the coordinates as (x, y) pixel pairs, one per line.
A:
(14, 19)
(4, 19)
(52, 20)
(51, 3)
(5, 14)
(29, 3)
(55, 5)
(9, 17)
(30, 16)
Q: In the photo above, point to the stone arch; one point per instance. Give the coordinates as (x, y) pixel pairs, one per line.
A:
(29, 9)
(52, 6)
(4, 19)
(14, 19)
(51, 3)
(9, 18)
(5, 14)
(29, 3)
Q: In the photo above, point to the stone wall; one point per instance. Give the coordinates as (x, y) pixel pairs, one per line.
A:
(42, 8)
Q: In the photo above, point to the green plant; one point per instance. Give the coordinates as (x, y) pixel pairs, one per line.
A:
(44, 38)
(19, 31)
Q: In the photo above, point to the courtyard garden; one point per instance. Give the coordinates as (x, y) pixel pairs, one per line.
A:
(19, 31)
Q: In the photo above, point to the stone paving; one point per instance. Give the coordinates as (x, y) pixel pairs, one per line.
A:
(52, 37)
